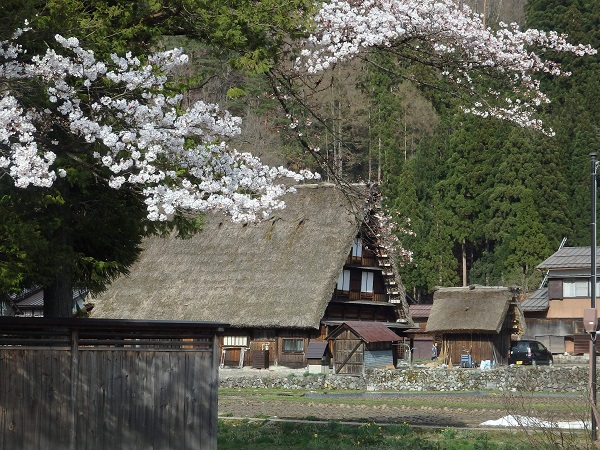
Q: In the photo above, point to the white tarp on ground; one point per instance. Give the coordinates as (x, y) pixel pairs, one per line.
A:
(532, 422)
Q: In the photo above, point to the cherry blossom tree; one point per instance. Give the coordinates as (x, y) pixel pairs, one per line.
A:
(120, 120)
(123, 114)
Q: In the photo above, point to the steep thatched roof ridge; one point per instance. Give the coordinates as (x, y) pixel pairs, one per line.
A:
(277, 273)
(469, 309)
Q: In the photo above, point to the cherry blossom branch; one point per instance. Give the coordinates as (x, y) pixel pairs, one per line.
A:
(452, 39)
(131, 129)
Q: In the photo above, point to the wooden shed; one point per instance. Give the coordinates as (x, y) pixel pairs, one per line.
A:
(420, 341)
(359, 346)
(478, 321)
(318, 357)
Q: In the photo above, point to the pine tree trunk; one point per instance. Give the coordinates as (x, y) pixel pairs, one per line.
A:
(58, 297)
(464, 263)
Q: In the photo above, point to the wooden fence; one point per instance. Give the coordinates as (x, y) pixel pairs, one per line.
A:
(108, 384)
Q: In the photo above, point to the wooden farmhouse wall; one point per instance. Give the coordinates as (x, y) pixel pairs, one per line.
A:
(107, 384)
(481, 346)
(282, 347)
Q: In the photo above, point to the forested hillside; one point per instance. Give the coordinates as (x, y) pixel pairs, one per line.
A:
(489, 201)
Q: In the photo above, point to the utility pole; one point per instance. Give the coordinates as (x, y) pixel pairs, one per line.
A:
(593, 230)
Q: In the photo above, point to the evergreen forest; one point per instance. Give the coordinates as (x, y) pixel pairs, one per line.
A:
(488, 201)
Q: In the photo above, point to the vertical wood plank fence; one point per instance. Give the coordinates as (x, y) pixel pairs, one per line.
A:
(108, 384)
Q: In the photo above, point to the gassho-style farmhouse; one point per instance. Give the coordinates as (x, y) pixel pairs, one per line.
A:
(294, 278)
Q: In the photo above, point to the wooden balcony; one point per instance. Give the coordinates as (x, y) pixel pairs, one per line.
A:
(364, 261)
(360, 296)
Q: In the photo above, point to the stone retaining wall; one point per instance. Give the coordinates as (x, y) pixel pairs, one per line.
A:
(523, 379)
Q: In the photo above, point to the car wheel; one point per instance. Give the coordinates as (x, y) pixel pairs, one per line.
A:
(533, 362)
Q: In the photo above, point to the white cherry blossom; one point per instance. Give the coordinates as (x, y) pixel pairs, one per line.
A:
(132, 128)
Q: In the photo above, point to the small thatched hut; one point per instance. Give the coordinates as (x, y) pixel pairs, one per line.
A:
(278, 283)
(477, 321)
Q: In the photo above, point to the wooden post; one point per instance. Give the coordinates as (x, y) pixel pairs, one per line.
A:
(214, 387)
(74, 381)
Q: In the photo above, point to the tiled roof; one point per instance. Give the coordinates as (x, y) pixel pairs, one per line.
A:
(32, 299)
(537, 301)
(570, 258)
(315, 350)
(370, 331)
(420, 310)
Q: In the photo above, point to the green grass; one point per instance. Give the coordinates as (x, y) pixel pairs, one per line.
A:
(261, 435)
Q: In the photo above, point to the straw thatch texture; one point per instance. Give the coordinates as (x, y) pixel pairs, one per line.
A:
(480, 309)
(278, 273)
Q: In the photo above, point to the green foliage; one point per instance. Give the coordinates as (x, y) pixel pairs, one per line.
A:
(250, 33)
(19, 246)
(333, 435)
(449, 433)
(502, 196)
(236, 92)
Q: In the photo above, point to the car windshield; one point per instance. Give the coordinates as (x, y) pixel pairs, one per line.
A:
(521, 346)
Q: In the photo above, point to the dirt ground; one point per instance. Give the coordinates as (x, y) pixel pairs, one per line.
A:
(444, 410)
(341, 411)
(454, 413)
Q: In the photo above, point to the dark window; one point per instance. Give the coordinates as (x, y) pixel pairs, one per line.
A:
(293, 345)
(521, 346)
(264, 334)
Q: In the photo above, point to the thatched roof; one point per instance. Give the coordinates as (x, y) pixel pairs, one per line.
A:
(278, 273)
(474, 309)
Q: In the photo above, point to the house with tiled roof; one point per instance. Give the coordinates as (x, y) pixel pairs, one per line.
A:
(30, 303)
(554, 313)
